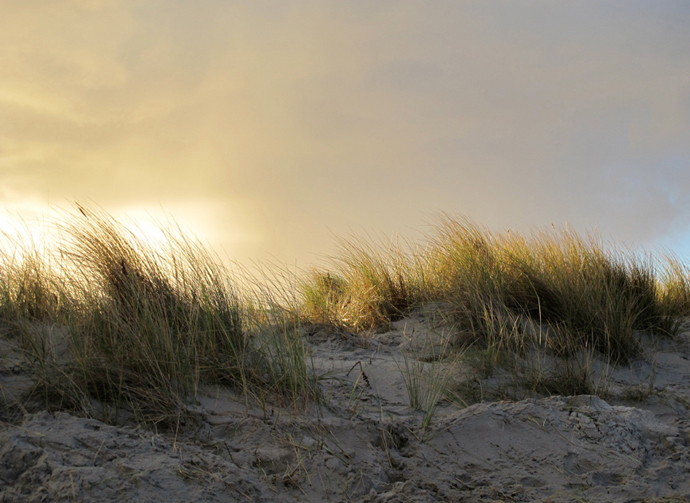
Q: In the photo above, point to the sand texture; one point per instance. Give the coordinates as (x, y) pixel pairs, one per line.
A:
(364, 443)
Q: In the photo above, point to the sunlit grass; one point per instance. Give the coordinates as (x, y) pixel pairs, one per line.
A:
(141, 327)
(30, 287)
(115, 325)
(539, 309)
(370, 286)
(592, 295)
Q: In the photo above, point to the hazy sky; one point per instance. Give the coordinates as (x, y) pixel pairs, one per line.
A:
(265, 126)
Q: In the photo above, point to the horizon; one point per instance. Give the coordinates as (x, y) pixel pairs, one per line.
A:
(267, 129)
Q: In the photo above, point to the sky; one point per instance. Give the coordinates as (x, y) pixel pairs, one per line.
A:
(266, 128)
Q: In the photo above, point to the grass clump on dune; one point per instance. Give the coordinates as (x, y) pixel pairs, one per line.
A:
(591, 296)
(152, 323)
(468, 271)
(572, 292)
(142, 326)
(587, 294)
(540, 309)
(370, 286)
(112, 322)
(30, 288)
(674, 292)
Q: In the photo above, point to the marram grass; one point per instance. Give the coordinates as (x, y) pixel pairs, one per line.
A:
(114, 325)
(370, 286)
(584, 294)
(144, 326)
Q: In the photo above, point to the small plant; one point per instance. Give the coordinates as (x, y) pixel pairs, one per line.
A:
(370, 287)
(569, 378)
(427, 379)
(635, 393)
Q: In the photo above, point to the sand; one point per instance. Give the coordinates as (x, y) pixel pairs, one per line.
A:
(364, 443)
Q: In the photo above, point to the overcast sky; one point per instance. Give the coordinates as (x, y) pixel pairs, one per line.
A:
(265, 126)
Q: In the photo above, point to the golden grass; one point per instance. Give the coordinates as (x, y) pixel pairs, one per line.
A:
(589, 294)
(144, 327)
(115, 325)
(371, 286)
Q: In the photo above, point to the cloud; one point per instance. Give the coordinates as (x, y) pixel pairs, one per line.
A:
(277, 123)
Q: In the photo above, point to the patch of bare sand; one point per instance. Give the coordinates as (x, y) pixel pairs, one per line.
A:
(364, 443)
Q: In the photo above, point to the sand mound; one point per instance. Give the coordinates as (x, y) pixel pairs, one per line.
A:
(364, 443)
(555, 449)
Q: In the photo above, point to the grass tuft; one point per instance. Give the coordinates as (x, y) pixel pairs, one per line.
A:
(370, 287)
(134, 327)
(507, 294)
(427, 381)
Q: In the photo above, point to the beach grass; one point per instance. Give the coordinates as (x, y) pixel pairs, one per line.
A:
(509, 296)
(144, 324)
(428, 377)
(372, 284)
(584, 292)
(114, 325)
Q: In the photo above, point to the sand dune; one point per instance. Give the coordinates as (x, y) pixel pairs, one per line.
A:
(364, 443)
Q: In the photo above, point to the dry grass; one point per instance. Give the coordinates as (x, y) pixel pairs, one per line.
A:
(144, 325)
(114, 325)
(428, 381)
(30, 288)
(371, 286)
(591, 295)
(552, 292)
